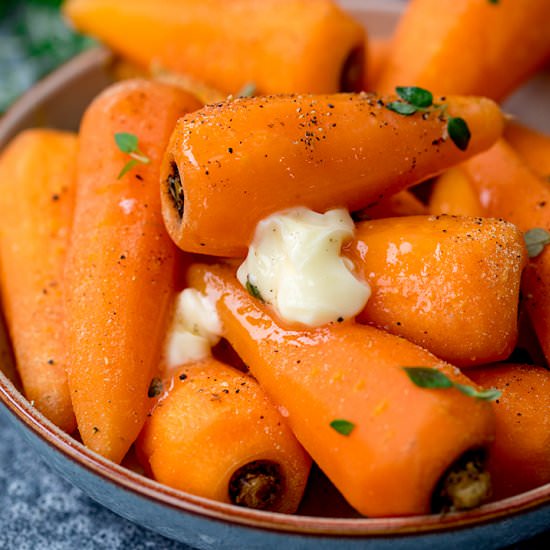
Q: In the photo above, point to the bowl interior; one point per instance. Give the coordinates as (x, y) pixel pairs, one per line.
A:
(59, 101)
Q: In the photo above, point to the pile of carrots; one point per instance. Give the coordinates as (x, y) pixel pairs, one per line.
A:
(436, 396)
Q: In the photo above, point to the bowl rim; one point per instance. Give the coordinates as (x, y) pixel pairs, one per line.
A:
(25, 413)
(71, 449)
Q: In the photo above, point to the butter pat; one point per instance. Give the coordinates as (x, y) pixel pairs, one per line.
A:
(195, 328)
(294, 264)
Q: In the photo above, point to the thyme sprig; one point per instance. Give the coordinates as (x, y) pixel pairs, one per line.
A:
(415, 99)
(432, 378)
(128, 143)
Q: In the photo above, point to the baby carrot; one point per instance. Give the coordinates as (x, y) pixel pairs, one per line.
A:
(509, 189)
(376, 58)
(121, 264)
(37, 183)
(519, 458)
(403, 203)
(280, 46)
(215, 434)
(320, 151)
(453, 193)
(532, 146)
(478, 47)
(449, 284)
(383, 441)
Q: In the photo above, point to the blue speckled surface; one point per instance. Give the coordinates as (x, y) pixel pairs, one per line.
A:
(39, 510)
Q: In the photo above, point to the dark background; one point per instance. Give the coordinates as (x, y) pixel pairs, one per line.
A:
(34, 39)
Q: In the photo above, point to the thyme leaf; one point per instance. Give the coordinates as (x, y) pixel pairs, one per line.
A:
(343, 427)
(253, 290)
(128, 143)
(535, 241)
(402, 108)
(431, 378)
(419, 97)
(459, 132)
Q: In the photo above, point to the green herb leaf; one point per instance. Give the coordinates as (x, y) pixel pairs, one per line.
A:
(127, 143)
(535, 241)
(127, 167)
(419, 97)
(427, 377)
(402, 108)
(343, 427)
(432, 378)
(248, 90)
(459, 132)
(253, 290)
(485, 395)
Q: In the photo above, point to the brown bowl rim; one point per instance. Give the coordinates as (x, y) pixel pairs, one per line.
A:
(124, 478)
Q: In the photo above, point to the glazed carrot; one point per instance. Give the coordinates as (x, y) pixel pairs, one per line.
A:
(353, 374)
(532, 146)
(215, 434)
(403, 203)
(452, 193)
(467, 47)
(519, 459)
(229, 165)
(376, 58)
(281, 46)
(121, 264)
(509, 189)
(449, 284)
(37, 182)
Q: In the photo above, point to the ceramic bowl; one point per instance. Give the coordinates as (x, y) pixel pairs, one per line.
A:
(58, 101)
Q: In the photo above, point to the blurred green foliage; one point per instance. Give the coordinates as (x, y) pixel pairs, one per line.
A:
(34, 40)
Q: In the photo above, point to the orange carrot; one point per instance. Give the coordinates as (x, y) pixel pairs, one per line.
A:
(37, 183)
(532, 146)
(229, 165)
(215, 434)
(121, 265)
(376, 59)
(403, 203)
(449, 284)
(281, 46)
(467, 47)
(519, 459)
(383, 441)
(452, 193)
(509, 189)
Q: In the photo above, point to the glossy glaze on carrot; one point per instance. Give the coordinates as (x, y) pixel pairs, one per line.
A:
(37, 187)
(280, 46)
(231, 164)
(214, 433)
(447, 283)
(509, 189)
(453, 193)
(478, 47)
(121, 267)
(404, 437)
(519, 459)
